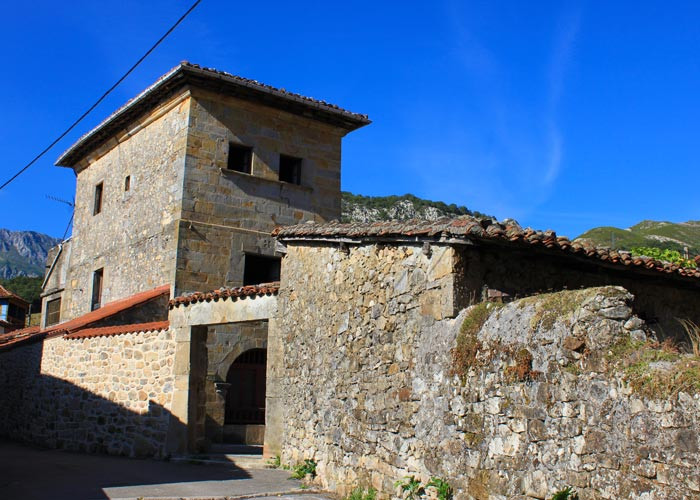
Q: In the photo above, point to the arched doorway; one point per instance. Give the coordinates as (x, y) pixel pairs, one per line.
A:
(245, 399)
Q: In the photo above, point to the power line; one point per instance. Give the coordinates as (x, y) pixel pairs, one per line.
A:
(46, 150)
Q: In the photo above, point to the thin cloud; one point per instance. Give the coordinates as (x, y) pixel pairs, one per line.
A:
(565, 40)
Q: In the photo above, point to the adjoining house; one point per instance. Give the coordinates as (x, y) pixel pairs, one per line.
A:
(206, 295)
(13, 311)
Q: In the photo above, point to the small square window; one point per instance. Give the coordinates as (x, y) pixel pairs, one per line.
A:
(290, 169)
(97, 206)
(240, 158)
(260, 269)
(127, 183)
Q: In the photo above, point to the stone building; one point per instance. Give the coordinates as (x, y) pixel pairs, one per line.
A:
(365, 380)
(166, 328)
(184, 184)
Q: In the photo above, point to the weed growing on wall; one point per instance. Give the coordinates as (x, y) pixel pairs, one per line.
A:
(692, 331)
(306, 468)
(410, 488)
(565, 494)
(468, 344)
(360, 493)
(655, 370)
(443, 489)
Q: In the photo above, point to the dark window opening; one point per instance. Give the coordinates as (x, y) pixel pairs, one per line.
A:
(127, 183)
(53, 311)
(16, 313)
(290, 169)
(260, 269)
(245, 400)
(240, 158)
(97, 289)
(97, 207)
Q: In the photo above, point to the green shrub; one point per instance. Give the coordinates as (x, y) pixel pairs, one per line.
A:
(444, 489)
(565, 494)
(360, 493)
(411, 487)
(306, 468)
(666, 255)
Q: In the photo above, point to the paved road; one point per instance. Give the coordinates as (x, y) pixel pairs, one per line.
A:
(28, 473)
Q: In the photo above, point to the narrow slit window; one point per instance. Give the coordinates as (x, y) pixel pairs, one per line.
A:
(290, 169)
(127, 183)
(97, 278)
(240, 158)
(260, 269)
(97, 207)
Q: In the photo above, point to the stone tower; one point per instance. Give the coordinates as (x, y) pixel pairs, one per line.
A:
(184, 183)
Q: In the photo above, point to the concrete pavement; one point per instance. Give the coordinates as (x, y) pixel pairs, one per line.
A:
(30, 473)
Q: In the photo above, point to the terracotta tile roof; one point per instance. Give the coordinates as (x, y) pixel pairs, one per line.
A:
(18, 337)
(107, 331)
(109, 310)
(192, 74)
(76, 328)
(507, 232)
(6, 294)
(224, 293)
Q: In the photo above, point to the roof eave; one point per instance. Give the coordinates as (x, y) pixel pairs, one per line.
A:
(187, 74)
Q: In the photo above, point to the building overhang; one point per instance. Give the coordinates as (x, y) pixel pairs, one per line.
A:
(187, 75)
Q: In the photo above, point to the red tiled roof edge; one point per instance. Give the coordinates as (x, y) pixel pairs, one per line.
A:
(507, 232)
(108, 331)
(224, 293)
(20, 337)
(7, 294)
(108, 310)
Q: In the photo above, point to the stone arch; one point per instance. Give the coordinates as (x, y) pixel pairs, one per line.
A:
(243, 345)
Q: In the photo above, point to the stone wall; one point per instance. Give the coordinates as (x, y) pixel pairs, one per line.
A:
(227, 213)
(659, 299)
(108, 394)
(133, 238)
(366, 386)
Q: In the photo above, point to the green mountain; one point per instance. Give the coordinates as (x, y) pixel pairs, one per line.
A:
(364, 209)
(648, 233)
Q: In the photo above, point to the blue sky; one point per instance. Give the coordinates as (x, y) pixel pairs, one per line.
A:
(562, 115)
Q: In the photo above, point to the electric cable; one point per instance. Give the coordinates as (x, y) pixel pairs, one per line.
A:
(109, 91)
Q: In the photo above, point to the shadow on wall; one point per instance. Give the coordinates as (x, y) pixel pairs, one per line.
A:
(54, 413)
(47, 411)
(659, 299)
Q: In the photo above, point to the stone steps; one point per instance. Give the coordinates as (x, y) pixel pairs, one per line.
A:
(241, 456)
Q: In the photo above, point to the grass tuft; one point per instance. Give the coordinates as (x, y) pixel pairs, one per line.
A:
(465, 353)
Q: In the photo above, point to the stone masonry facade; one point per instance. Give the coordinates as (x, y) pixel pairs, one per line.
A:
(140, 252)
(366, 385)
(171, 211)
(227, 214)
(108, 394)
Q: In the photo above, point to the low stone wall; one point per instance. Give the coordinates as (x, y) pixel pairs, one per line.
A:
(369, 392)
(109, 394)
